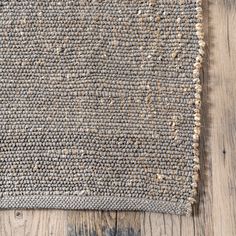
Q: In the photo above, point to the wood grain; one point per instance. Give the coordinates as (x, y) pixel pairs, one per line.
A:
(215, 213)
(91, 223)
(33, 223)
(222, 72)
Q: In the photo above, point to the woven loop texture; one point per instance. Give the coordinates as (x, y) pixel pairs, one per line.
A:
(99, 104)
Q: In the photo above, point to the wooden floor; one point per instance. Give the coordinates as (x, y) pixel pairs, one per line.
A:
(216, 212)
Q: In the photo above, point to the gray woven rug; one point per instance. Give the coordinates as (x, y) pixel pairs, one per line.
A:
(99, 104)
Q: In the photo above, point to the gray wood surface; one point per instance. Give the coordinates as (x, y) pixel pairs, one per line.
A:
(215, 213)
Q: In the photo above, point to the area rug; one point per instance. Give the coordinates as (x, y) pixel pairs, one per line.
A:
(100, 104)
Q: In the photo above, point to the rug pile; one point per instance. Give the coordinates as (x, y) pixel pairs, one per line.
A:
(100, 104)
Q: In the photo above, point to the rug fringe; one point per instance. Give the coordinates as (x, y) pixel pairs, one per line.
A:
(198, 87)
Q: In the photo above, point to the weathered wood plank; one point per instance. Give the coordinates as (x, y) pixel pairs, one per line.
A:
(128, 224)
(222, 73)
(91, 223)
(160, 224)
(33, 223)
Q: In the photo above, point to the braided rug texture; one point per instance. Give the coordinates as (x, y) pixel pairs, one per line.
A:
(99, 104)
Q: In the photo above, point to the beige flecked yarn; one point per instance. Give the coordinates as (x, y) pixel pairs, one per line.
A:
(99, 104)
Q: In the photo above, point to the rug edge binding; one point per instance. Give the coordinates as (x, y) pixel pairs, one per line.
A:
(91, 203)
